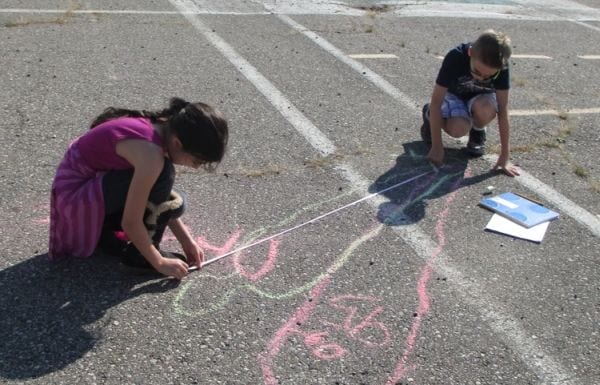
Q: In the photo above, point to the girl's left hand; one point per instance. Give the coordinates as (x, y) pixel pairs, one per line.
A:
(193, 252)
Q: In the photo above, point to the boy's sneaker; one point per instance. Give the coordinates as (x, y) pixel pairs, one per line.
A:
(425, 127)
(476, 144)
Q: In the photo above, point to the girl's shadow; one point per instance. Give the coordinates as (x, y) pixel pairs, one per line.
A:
(407, 203)
(49, 311)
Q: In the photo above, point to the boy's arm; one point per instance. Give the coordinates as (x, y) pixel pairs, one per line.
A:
(504, 129)
(436, 153)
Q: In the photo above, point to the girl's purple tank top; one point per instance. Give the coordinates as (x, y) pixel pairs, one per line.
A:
(77, 202)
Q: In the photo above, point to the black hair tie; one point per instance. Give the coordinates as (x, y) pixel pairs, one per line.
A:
(182, 110)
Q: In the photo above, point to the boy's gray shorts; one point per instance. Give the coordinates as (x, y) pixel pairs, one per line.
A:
(453, 106)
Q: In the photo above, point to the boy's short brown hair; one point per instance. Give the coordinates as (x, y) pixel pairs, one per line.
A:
(492, 49)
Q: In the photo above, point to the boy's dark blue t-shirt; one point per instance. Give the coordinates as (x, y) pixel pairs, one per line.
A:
(455, 75)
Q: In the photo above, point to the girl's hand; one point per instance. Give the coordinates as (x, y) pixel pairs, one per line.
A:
(172, 267)
(193, 252)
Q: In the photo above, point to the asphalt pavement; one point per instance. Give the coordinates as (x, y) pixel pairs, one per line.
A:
(323, 101)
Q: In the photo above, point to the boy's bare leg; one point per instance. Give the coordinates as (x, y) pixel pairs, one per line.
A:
(483, 111)
(457, 127)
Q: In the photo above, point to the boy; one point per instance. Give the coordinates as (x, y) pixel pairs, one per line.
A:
(471, 89)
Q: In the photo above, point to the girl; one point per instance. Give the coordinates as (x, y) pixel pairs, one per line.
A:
(119, 176)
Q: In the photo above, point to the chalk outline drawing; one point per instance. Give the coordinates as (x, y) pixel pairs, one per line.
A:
(402, 367)
(179, 308)
(317, 341)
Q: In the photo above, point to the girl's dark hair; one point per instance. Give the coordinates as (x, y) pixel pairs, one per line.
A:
(201, 128)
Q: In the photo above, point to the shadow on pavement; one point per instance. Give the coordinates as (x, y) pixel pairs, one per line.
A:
(407, 203)
(49, 310)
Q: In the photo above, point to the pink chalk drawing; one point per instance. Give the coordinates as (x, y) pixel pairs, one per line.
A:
(42, 221)
(348, 322)
(353, 330)
(266, 267)
(321, 349)
(251, 279)
(266, 358)
(319, 341)
(42, 208)
(227, 246)
(368, 322)
(402, 366)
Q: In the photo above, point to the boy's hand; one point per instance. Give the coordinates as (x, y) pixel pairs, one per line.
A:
(172, 267)
(504, 165)
(193, 252)
(436, 156)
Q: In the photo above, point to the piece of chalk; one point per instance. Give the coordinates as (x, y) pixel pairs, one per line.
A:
(489, 190)
(530, 198)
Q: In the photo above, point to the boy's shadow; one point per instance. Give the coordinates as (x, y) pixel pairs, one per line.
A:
(407, 202)
(48, 311)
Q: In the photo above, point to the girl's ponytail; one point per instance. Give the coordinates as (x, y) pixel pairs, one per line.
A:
(178, 104)
(113, 113)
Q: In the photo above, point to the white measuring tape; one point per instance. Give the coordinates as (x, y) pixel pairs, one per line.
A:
(208, 262)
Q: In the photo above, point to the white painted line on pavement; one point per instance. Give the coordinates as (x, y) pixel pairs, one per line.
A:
(517, 56)
(547, 368)
(290, 10)
(527, 56)
(586, 25)
(589, 57)
(373, 56)
(400, 9)
(357, 66)
(87, 11)
(127, 12)
(467, 14)
(571, 111)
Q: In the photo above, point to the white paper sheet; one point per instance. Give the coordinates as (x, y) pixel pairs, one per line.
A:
(502, 225)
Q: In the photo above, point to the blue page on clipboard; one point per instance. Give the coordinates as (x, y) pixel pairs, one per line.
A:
(519, 209)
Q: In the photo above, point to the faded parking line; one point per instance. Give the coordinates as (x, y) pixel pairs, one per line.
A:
(373, 56)
(568, 111)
